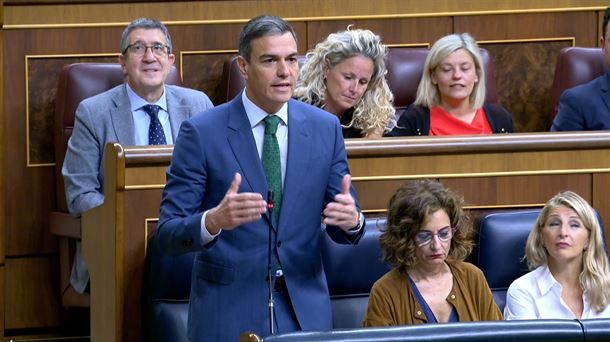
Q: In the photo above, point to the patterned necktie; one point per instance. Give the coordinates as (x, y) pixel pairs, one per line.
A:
(155, 130)
(271, 162)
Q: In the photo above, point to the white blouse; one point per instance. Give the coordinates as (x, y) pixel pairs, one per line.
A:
(537, 295)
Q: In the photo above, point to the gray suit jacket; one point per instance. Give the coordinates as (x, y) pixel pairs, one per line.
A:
(107, 118)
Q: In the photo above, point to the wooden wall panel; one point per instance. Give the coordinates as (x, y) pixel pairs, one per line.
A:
(580, 25)
(525, 49)
(601, 200)
(524, 76)
(2, 165)
(416, 31)
(490, 192)
(2, 298)
(31, 200)
(2, 181)
(141, 228)
(203, 71)
(65, 11)
(484, 192)
(42, 76)
(32, 296)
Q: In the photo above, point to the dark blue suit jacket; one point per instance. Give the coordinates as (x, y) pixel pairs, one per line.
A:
(585, 107)
(229, 291)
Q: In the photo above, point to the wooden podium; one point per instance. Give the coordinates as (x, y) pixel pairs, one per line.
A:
(115, 236)
(492, 172)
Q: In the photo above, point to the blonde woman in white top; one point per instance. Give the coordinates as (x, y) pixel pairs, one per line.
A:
(570, 277)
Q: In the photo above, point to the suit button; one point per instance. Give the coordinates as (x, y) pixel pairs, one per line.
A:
(279, 244)
(187, 243)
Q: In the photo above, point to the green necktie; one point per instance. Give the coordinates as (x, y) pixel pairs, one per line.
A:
(271, 162)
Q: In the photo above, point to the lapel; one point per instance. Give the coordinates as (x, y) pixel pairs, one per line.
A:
(299, 151)
(243, 146)
(121, 117)
(177, 112)
(605, 87)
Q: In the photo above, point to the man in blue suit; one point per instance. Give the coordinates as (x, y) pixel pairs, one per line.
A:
(214, 201)
(587, 107)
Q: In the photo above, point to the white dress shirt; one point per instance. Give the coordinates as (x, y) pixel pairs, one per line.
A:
(537, 295)
(141, 120)
(256, 115)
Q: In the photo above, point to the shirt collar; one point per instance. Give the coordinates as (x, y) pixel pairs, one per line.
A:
(546, 282)
(137, 102)
(256, 114)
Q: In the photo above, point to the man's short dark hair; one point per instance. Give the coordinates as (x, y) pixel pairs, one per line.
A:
(606, 19)
(260, 26)
(148, 24)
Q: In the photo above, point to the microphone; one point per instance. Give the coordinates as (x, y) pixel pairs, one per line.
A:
(270, 205)
(270, 277)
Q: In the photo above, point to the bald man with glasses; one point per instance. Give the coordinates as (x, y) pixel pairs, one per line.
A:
(141, 111)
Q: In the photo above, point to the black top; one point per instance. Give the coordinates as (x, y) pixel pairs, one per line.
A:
(415, 120)
(349, 132)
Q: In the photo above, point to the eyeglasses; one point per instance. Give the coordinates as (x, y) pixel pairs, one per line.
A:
(139, 49)
(424, 237)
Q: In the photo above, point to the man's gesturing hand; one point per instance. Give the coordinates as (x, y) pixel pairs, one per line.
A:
(235, 209)
(342, 212)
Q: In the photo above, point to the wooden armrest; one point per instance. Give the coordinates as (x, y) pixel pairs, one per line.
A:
(62, 224)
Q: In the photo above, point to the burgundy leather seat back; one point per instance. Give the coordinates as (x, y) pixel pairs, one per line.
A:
(405, 67)
(575, 66)
(77, 82)
(231, 83)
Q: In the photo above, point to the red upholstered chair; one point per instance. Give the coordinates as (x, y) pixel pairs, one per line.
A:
(575, 66)
(231, 82)
(405, 67)
(77, 82)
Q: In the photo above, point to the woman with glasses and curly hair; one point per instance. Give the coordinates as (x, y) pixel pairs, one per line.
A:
(345, 75)
(427, 237)
(570, 277)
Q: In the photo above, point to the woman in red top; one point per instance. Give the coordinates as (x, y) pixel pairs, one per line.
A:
(451, 94)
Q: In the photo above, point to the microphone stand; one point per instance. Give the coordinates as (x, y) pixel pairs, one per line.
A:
(270, 277)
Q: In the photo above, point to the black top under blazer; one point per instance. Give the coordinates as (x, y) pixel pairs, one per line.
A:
(415, 120)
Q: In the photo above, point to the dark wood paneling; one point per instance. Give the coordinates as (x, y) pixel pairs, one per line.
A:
(2, 182)
(2, 298)
(43, 73)
(580, 25)
(204, 72)
(525, 49)
(32, 297)
(136, 203)
(601, 201)
(485, 192)
(524, 78)
(168, 10)
(32, 198)
(392, 31)
(511, 191)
